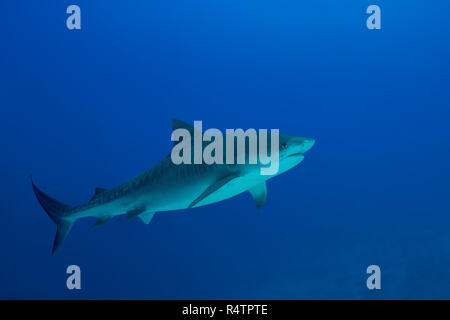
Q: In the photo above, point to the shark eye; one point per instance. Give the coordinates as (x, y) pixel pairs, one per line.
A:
(283, 145)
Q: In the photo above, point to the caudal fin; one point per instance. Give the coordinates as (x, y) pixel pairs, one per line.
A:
(57, 211)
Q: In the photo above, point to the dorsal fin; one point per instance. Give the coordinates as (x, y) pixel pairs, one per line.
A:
(98, 191)
(179, 124)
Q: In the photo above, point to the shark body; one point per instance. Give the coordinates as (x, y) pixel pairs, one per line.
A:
(167, 186)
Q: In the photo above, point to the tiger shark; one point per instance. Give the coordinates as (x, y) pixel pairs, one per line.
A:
(167, 186)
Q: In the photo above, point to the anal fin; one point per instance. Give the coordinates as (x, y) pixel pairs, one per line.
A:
(101, 221)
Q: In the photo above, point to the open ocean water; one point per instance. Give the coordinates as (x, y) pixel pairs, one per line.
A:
(93, 107)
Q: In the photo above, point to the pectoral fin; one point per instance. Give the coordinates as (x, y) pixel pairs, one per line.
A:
(259, 194)
(134, 213)
(212, 188)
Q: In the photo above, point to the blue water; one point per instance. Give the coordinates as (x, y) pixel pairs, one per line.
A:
(92, 108)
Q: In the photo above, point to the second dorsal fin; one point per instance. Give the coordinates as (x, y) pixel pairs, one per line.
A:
(98, 191)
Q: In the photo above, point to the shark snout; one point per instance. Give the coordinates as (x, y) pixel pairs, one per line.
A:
(299, 146)
(306, 144)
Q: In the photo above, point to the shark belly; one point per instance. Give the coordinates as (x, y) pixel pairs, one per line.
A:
(178, 194)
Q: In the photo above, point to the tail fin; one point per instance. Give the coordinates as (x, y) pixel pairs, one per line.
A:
(57, 211)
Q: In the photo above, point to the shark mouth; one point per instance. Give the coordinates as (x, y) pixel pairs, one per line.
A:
(295, 154)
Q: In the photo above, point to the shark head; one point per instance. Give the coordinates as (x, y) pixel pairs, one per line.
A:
(291, 146)
(291, 151)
